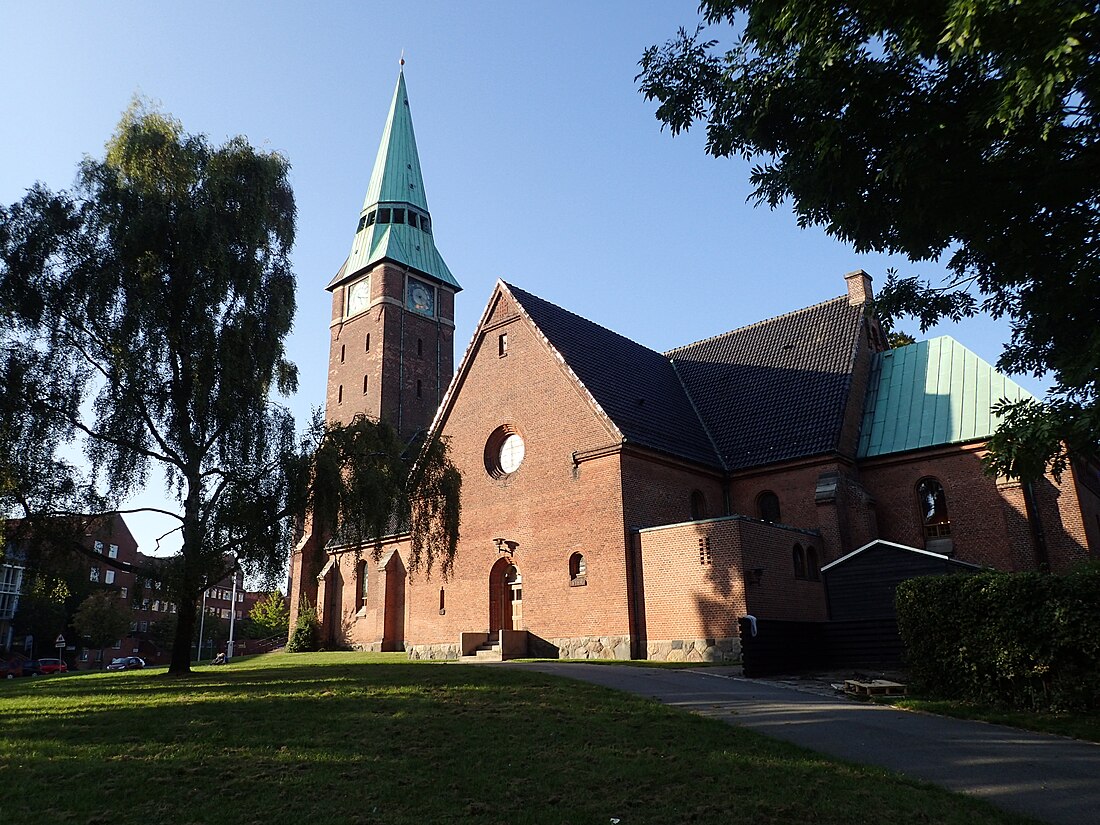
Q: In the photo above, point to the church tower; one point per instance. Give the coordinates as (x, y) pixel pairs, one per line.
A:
(392, 331)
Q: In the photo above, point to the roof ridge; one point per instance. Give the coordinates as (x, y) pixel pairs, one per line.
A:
(669, 353)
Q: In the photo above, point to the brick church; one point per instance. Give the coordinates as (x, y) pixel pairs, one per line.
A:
(620, 502)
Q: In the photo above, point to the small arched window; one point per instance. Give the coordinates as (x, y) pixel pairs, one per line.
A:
(361, 583)
(578, 570)
(933, 508)
(767, 506)
(798, 557)
(698, 505)
(813, 565)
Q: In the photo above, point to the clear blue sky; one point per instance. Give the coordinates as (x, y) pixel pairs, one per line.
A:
(542, 163)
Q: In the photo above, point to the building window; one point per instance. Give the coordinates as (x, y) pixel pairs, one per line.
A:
(117, 645)
(112, 551)
(933, 508)
(342, 347)
(361, 583)
(813, 564)
(143, 626)
(502, 344)
(340, 394)
(442, 602)
(368, 342)
(109, 577)
(767, 506)
(365, 382)
(84, 655)
(698, 505)
(93, 574)
(798, 557)
(578, 570)
(124, 592)
(98, 546)
(99, 656)
(419, 347)
(504, 451)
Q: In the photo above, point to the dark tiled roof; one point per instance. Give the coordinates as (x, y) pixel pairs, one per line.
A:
(637, 387)
(775, 390)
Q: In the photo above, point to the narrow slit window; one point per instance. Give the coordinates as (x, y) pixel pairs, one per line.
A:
(442, 601)
(502, 344)
(340, 394)
(419, 388)
(368, 342)
(798, 558)
(419, 347)
(342, 353)
(365, 384)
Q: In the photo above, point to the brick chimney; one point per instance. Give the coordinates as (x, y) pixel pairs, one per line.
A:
(859, 287)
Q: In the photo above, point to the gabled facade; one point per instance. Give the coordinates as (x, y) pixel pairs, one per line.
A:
(622, 502)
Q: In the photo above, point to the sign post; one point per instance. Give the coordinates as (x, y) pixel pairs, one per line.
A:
(60, 645)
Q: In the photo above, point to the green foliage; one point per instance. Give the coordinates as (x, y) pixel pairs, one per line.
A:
(307, 630)
(362, 482)
(952, 129)
(143, 317)
(270, 616)
(102, 619)
(1024, 640)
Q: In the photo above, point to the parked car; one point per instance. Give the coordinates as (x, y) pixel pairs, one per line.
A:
(32, 667)
(126, 663)
(9, 670)
(52, 666)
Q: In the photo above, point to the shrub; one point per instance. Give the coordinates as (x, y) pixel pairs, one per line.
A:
(1024, 640)
(306, 630)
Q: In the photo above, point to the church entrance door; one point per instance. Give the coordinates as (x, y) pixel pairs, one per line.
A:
(505, 597)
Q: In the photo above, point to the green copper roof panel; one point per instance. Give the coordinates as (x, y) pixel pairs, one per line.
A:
(931, 393)
(396, 183)
(396, 175)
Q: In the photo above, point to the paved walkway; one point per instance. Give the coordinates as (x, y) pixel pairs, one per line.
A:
(1047, 777)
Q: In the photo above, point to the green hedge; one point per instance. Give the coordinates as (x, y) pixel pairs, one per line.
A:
(1023, 640)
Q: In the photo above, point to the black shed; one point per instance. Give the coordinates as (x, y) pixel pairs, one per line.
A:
(861, 584)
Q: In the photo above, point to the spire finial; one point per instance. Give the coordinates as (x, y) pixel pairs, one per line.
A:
(402, 60)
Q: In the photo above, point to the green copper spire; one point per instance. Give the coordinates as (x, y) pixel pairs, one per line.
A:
(395, 223)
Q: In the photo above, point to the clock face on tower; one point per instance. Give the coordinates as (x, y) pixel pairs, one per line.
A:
(358, 296)
(421, 297)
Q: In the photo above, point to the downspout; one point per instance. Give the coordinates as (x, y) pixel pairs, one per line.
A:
(1035, 523)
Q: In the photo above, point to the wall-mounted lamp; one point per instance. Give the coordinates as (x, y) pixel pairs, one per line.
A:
(506, 546)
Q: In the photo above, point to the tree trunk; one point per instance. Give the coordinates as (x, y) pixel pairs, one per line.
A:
(185, 628)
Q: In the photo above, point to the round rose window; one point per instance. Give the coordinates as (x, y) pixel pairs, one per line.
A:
(504, 451)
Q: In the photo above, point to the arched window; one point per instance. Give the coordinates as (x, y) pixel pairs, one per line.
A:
(813, 565)
(698, 505)
(578, 570)
(361, 583)
(767, 505)
(798, 557)
(933, 508)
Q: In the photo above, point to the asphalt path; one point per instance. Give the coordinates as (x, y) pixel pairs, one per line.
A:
(1051, 778)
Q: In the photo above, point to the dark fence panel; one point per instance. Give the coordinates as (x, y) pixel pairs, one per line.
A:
(781, 647)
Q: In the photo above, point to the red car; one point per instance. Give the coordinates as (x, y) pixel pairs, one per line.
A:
(52, 666)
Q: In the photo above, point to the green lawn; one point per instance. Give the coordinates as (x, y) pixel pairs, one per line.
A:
(356, 738)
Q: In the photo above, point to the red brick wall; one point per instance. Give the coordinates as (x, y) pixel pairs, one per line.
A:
(695, 581)
(550, 506)
(989, 523)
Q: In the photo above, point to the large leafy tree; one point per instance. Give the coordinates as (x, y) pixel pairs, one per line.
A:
(144, 317)
(957, 130)
(102, 619)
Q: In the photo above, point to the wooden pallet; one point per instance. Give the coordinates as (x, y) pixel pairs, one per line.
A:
(876, 687)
